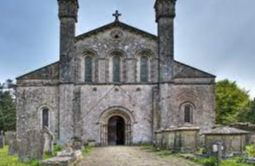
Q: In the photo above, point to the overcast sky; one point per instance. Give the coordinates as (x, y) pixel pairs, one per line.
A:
(217, 36)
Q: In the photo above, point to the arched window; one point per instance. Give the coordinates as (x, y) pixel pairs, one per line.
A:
(188, 113)
(45, 117)
(88, 69)
(116, 69)
(144, 69)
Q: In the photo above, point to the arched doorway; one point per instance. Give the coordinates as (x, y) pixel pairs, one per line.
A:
(113, 121)
(116, 131)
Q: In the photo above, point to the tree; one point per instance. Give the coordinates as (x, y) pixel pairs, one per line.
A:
(249, 116)
(232, 102)
(7, 107)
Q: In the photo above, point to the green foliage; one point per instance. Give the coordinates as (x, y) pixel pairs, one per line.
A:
(209, 161)
(201, 151)
(212, 161)
(249, 116)
(6, 160)
(149, 147)
(231, 102)
(87, 150)
(56, 148)
(250, 150)
(233, 162)
(7, 107)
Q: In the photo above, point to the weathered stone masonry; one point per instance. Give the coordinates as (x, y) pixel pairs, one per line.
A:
(174, 94)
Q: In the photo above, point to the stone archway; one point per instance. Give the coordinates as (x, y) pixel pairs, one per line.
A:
(107, 116)
(116, 131)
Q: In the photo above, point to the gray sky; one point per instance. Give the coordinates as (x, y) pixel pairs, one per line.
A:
(217, 36)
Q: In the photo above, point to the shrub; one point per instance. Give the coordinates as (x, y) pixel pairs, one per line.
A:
(58, 148)
(209, 161)
(250, 150)
(87, 150)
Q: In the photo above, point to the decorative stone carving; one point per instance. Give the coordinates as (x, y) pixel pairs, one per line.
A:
(116, 34)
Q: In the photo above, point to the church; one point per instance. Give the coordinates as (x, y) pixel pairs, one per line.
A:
(114, 85)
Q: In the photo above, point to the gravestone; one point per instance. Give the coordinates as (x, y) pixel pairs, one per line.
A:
(1, 139)
(7, 136)
(31, 145)
(48, 140)
(12, 141)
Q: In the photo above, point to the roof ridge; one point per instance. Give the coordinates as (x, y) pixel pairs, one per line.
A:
(194, 68)
(116, 23)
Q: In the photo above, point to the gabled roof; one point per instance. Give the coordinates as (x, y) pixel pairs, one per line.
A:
(225, 130)
(185, 71)
(117, 24)
(52, 72)
(48, 72)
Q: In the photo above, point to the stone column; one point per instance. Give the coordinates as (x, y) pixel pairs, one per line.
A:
(66, 114)
(77, 116)
(165, 14)
(155, 113)
(68, 12)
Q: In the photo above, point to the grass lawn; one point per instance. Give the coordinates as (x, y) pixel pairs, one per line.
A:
(6, 160)
(205, 161)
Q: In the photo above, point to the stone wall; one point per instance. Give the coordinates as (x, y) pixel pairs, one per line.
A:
(80, 107)
(135, 101)
(29, 102)
(103, 46)
(200, 96)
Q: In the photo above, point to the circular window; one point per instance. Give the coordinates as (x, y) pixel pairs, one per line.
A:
(116, 34)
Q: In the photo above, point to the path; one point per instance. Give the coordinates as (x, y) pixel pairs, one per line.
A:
(130, 156)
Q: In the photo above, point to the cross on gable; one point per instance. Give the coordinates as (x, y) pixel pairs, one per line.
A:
(116, 15)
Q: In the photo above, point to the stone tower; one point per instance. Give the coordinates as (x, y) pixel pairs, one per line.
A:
(165, 14)
(68, 12)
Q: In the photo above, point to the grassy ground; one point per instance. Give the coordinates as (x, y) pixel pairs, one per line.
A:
(203, 161)
(6, 160)
(87, 150)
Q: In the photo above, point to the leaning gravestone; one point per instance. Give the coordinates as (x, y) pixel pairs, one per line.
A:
(12, 141)
(1, 139)
(31, 145)
(48, 140)
(7, 136)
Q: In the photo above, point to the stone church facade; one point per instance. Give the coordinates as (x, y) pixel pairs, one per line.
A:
(115, 84)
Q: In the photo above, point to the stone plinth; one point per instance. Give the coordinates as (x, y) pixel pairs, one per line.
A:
(65, 158)
(158, 136)
(186, 139)
(233, 140)
(183, 139)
